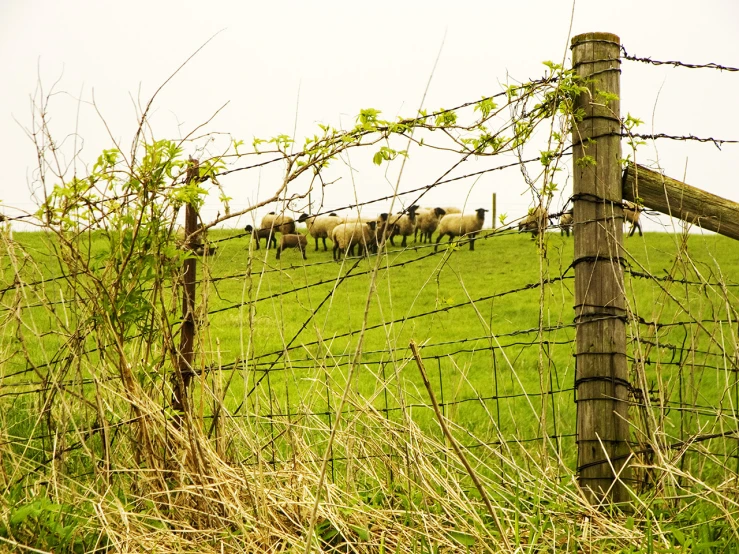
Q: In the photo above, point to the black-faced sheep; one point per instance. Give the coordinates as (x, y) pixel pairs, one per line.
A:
(278, 223)
(403, 224)
(631, 215)
(259, 234)
(346, 235)
(320, 227)
(297, 240)
(535, 222)
(427, 221)
(565, 223)
(458, 225)
(198, 243)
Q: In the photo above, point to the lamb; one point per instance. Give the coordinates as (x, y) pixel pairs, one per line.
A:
(346, 235)
(320, 227)
(278, 223)
(631, 215)
(427, 220)
(296, 240)
(259, 234)
(457, 225)
(565, 223)
(535, 222)
(404, 224)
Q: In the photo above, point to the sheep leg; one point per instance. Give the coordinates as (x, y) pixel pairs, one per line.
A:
(302, 251)
(324, 244)
(436, 246)
(403, 243)
(472, 241)
(277, 257)
(325, 248)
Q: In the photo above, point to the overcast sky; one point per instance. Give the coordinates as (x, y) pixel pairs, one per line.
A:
(327, 60)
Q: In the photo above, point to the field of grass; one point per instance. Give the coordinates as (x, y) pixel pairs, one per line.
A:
(285, 345)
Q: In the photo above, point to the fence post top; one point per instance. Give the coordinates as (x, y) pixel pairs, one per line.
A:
(594, 37)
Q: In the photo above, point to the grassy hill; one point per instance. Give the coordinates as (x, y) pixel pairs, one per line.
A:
(283, 346)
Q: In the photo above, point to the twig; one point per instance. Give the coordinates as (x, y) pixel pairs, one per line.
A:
(455, 446)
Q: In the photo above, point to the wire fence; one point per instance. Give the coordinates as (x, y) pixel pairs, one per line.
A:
(303, 348)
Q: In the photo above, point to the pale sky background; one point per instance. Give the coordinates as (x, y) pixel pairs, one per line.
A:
(332, 58)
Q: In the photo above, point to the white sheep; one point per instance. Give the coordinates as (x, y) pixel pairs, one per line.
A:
(346, 235)
(259, 234)
(631, 215)
(278, 223)
(565, 223)
(458, 225)
(297, 240)
(535, 222)
(452, 210)
(320, 227)
(403, 224)
(427, 220)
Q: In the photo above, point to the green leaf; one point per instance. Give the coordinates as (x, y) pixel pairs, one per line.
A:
(362, 532)
(464, 539)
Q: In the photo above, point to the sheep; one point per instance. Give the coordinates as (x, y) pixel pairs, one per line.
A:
(427, 220)
(296, 240)
(320, 227)
(457, 225)
(565, 223)
(535, 222)
(259, 234)
(278, 223)
(404, 224)
(197, 243)
(631, 215)
(346, 235)
(452, 210)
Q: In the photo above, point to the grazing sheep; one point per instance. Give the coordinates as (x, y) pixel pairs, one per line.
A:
(297, 240)
(404, 224)
(278, 223)
(427, 220)
(198, 243)
(565, 223)
(631, 215)
(346, 235)
(535, 222)
(259, 234)
(457, 225)
(320, 227)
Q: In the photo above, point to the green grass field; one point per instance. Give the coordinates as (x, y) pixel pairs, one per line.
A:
(279, 340)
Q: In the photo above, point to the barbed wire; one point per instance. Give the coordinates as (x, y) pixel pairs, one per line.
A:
(710, 65)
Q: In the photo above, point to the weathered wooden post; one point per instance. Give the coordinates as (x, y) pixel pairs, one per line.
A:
(601, 381)
(184, 371)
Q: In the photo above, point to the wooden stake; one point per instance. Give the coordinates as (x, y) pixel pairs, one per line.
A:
(601, 381)
(184, 374)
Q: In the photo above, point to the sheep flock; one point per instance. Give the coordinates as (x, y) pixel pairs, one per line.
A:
(366, 235)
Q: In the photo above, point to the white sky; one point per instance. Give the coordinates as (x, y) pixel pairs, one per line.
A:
(334, 58)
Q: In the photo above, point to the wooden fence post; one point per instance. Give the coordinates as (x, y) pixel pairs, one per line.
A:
(184, 371)
(495, 209)
(601, 379)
